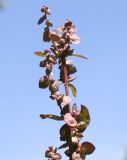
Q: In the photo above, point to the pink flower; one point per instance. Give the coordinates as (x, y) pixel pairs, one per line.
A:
(70, 120)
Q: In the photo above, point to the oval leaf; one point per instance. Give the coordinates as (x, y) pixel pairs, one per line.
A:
(41, 20)
(87, 148)
(79, 55)
(73, 89)
(64, 132)
(41, 54)
(84, 115)
(46, 37)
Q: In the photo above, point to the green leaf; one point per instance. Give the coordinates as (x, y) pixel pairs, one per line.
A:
(79, 55)
(73, 89)
(41, 20)
(65, 110)
(63, 146)
(81, 126)
(64, 132)
(41, 54)
(87, 148)
(54, 37)
(51, 116)
(67, 152)
(84, 115)
(71, 70)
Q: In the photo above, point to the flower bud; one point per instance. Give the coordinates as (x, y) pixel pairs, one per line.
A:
(53, 149)
(68, 23)
(46, 10)
(56, 156)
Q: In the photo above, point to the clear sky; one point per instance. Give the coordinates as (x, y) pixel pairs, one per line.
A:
(101, 83)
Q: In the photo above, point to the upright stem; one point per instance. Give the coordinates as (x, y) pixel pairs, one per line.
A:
(65, 71)
(65, 76)
(67, 94)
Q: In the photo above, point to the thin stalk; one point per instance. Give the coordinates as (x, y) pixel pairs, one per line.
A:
(65, 71)
(65, 76)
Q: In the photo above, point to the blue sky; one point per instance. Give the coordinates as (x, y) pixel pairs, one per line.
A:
(101, 83)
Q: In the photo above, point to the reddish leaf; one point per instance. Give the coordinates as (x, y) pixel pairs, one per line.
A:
(87, 148)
